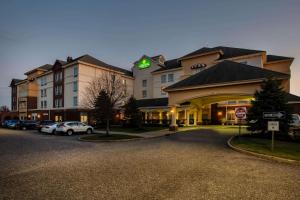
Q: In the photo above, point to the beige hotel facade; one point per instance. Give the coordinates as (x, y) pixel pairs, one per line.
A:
(202, 87)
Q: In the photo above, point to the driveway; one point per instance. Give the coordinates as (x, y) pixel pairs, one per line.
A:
(188, 165)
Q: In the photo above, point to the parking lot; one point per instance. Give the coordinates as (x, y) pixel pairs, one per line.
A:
(192, 165)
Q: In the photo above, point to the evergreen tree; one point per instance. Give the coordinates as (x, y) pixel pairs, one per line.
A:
(132, 112)
(103, 109)
(271, 98)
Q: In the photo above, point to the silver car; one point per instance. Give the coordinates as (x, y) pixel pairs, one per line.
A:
(74, 127)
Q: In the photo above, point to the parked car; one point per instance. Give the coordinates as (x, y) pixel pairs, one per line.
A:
(50, 128)
(295, 121)
(74, 127)
(43, 123)
(26, 124)
(12, 124)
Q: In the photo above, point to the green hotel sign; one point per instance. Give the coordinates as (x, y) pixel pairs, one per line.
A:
(144, 63)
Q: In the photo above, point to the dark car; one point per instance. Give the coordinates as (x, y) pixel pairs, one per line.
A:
(27, 124)
(43, 123)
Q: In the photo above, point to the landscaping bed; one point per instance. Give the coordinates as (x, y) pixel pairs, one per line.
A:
(104, 137)
(283, 147)
(134, 130)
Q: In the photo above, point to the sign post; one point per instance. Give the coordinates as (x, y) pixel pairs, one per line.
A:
(273, 126)
(240, 113)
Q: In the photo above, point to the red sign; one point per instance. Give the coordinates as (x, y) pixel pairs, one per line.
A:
(241, 112)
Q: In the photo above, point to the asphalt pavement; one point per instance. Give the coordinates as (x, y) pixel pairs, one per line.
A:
(188, 165)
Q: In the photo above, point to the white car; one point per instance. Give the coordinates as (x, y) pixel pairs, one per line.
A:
(295, 121)
(51, 128)
(74, 127)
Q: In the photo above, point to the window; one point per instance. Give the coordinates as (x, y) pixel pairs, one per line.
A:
(58, 103)
(144, 93)
(75, 101)
(58, 76)
(75, 71)
(43, 81)
(163, 78)
(42, 104)
(42, 93)
(83, 117)
(45, 104)
(144, 83)
(58, 90)
(170, 77)
(45, 92)
(113, 77)
(75, 86)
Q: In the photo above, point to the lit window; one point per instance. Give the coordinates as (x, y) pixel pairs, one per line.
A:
(144, 83)
(163, 78)
(170, 77)
(144, 93)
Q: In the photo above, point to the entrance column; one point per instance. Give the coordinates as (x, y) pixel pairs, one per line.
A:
(195, 117)
(146, 117)
(187, 118)
(173, 126)
(200, 115)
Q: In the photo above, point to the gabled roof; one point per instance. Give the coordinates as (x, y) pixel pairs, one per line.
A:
(169, 64)
(272, 58)
(15, 81)
(226, 72)
(45, 67)
(225, 52)
(157, 102)
(89, 59)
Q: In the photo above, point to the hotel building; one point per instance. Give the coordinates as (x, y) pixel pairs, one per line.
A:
(202, 87)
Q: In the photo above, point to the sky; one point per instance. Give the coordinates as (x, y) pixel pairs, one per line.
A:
(33, 33)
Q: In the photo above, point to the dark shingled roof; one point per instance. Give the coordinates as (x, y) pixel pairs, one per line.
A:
(271, 58)
(89, 59)
(226, 72)
(46, 67)
(292, 97)
(228, 52)
(14, 81)
(152, 102)
(169, 64)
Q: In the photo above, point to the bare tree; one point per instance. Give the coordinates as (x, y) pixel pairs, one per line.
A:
(4, 109)
(112, 84)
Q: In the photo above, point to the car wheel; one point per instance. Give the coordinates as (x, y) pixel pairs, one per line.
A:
(89, 131)
(40, 130)
(54, 132)
(69, 132)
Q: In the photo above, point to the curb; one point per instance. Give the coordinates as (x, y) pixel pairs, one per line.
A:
(264, 156)
(121, 140)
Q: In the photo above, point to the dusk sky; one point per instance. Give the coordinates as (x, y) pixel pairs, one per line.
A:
(33, 33)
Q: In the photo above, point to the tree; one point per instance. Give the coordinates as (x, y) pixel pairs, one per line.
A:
(103, 109)
(4, 109)
(132, 113)
(271, 98)
(112, 86)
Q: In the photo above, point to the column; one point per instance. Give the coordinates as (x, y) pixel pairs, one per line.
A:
(200, 115)
(146, 117)
(187, 123)
(195, 117)
(173, 126)
(160, 117)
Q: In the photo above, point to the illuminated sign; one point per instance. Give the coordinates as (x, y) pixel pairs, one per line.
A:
(144, 63)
